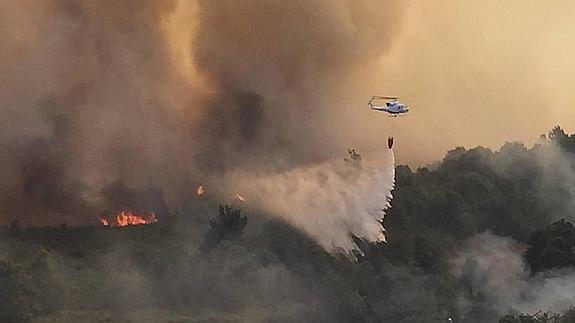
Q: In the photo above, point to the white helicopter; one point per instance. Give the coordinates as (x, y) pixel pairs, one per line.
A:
(391, 105)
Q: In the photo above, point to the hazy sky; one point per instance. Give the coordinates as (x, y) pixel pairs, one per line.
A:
(479, 73)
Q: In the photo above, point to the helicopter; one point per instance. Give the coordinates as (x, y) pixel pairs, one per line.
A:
(391, 106)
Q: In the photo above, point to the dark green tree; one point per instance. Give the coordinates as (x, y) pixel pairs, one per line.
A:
(546, 317)
(563, 140)
(15, 301)
(568, 317)
(426, 254)
(15, 229)
(227, 225)
(552, 247)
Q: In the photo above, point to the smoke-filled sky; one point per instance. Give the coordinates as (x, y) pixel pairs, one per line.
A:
(480, 73)
(474, 73)
(171, 93)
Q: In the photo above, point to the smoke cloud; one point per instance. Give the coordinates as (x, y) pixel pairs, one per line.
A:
(167, 95)
(283, 71)
(329, 201)
(152, 96)
(88, 97)
(494, 270)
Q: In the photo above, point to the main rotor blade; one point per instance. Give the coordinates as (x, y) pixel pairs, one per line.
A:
(385, 97)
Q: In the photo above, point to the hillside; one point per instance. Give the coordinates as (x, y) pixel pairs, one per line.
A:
(473, 237)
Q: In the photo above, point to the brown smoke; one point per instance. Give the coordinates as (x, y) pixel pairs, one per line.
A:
(283, 70)
(159, 93)
(88, 92)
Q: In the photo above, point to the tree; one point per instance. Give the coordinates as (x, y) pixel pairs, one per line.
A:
(568, 317)
(227, 225)
(15, 229)
(15, 298)
(552, 247)
(546, 317)
(561, 139)
(426, 254)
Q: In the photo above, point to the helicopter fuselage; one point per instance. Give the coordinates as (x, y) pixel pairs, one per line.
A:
(391, 107)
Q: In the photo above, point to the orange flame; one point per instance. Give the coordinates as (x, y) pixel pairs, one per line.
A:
(200, 190)
(240, 198)
(125, 218)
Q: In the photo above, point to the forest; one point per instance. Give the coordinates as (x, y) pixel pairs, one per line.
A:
(480, 236)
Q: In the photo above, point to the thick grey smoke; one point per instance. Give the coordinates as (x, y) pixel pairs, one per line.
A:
(556, 185)
(161, 94)
(492, 268)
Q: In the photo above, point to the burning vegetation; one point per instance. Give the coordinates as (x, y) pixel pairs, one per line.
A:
(429, 270)
(239, 198)
(126, 218)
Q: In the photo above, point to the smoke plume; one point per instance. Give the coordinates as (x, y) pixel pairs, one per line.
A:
(161, 95)
(493, 269)
(282, 71)
(329, 201)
